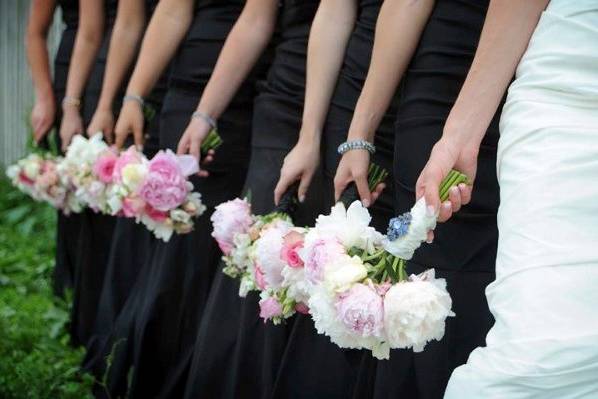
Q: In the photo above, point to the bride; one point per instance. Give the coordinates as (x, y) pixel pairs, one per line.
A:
(544, 343)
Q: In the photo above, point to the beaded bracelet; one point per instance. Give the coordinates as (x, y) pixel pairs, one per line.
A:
(72, 101)
(206, 118)
(134, 97)
(356, 145)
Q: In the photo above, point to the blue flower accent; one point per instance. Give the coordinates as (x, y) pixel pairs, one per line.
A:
(399, 226)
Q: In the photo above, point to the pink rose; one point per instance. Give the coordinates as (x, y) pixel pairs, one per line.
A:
(258, 275)
(131, 155)
(270, 308)
(104, 166)
(155, 214)
(25, 180)
(165, 186)
(293, 242)
(318, 254)
(133, 207)
(361, 310)
(229, 219)
(302, 308)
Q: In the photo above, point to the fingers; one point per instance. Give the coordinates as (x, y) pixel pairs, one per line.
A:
(121, 136)
(363, 189)
(138, 137)
(430, 184)
(465, 191)
(430, 237)
(340, 184)
(108, 134)
(183, 145)
(195, 147)
(445, 212)
(304, 186)
(377, 192)
(209, 157)
(455, 198)
(283, 183)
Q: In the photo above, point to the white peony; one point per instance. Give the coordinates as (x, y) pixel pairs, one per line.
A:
(421, 223)
(349, 226)
(415, 311)
(267, 252)
(298, 286)
(133, 175)
(344, 271)
(180, 216)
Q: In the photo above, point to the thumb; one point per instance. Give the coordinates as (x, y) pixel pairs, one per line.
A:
(431, 184)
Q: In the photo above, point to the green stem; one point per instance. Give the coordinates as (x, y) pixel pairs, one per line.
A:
(450, 182)
(211, 142)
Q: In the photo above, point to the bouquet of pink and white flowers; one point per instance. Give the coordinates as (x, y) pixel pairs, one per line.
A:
(38, 177)
(361, 296)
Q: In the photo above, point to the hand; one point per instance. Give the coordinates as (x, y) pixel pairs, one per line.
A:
(102, 121)
(190, 142)
(353, 167)
(43, 116)
(72, 124)
(129, 121)
(299, 164)
(448, 153)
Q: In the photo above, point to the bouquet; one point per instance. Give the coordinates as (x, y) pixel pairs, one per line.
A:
(38, 177)
(360, 294)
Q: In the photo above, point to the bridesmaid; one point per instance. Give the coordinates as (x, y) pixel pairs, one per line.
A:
(153, 337)
(95, 233)
(45, 115)
(464, 250)
(236, 354)
(339, 52)
(132, 242)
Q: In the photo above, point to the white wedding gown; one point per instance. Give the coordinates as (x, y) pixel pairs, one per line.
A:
(544, 344)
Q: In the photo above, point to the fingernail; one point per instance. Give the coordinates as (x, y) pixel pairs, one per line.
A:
(431, 211)
(366, 203)
(447, 205)
(462, 186)
(301, 198)
(454, 190)
(429, 240)
(139, 147)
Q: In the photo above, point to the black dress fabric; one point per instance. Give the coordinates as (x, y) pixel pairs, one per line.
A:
(236, 354)
(67, 227)
(334, 372)
(464, 249)
(132, 243)
(95, 234)
(153, 338)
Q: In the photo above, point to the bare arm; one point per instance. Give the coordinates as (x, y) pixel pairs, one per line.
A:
(506, 34)
(166, 30)
(44, 110)
(87, 43)
(242, 49)
(328, 39)
(398, 30)
(126, 35)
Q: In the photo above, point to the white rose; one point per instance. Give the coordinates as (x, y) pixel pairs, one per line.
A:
(133, 175)
(344, 271)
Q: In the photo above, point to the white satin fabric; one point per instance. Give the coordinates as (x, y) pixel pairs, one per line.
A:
(544, 344)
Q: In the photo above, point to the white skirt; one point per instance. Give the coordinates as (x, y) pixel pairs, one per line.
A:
(544, 343)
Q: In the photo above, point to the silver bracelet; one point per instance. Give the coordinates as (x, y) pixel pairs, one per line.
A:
(356, 145)
(206, 118)
(134, 97)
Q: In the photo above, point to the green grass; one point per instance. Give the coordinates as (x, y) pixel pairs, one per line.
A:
(36, 360)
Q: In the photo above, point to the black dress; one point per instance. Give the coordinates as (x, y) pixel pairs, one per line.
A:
(236, 354)
(132, 243)
(160, 319)
(67, 227)
(95, 234)
(464, 249)
(334, 372)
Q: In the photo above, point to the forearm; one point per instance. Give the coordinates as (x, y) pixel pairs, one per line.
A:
(242, 49)
(166, 30)
(505, 36)
(398, 30)
(40, 19)
(87, 43)
(126, 35)
(328, 39)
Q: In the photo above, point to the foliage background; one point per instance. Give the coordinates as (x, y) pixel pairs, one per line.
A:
(36, 360)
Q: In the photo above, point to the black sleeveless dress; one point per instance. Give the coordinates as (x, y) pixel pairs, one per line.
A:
(236, 354)
(67, 227)
(95, 234)
(464, 249)
(160, 319)
(334, 372)
(132, 243)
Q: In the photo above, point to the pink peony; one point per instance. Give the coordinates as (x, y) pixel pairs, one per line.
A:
(155, 214)
(293, 242)
(270, 308)
(131, 155)
(165, 186)
(361, 310)
(229, 219)
(318, 254)
(104, 166)
(24, 179)
(133, 207)
(258, 275)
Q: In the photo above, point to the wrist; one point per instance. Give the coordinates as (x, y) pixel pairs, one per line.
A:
(44, 94)
(309, 137)
(71, 104)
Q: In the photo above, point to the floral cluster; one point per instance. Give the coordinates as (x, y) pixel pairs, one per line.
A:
(38, 177)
